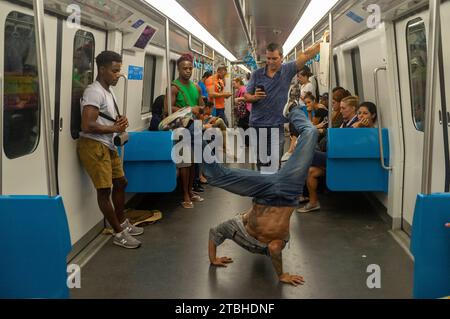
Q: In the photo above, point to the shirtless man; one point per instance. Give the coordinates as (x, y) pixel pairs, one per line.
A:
(264, 228)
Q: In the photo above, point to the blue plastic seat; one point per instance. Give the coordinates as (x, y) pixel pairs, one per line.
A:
(430, 245)
(34, 244)
(353, 162)
(148, 162)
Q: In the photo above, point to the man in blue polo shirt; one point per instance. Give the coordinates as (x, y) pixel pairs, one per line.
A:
(268, 90)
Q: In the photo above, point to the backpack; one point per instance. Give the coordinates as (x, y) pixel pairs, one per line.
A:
(75, 119)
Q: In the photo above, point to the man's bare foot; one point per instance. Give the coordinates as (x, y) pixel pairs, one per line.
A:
(222, 261)
(292, 279)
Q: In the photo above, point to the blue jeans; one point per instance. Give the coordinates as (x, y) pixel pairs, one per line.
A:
(281, 189)
(280, 148)
(221, 113)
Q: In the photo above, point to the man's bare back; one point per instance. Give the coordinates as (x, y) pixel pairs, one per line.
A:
(266, 223)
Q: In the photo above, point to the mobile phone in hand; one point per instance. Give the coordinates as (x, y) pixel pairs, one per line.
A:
(261, 88)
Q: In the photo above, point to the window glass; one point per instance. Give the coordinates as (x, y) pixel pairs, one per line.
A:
(417, 61)
(82, 74)
(336, 70)
(149, 83)
(21, 125)
(357, 74)
(173, 70)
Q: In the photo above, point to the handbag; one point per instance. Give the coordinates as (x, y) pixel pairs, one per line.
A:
(241, 110)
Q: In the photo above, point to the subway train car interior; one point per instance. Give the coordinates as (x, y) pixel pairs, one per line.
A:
(143, 141)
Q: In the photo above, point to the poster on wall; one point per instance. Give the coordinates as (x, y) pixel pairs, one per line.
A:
(135, 73)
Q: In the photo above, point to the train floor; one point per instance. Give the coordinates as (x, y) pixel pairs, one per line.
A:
(332, 249)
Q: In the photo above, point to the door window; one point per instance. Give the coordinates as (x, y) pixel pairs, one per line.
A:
(21, 125)
(417, 62)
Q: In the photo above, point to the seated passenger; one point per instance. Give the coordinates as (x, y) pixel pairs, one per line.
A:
(367, 115)
(157, 113)
(339, 94)
(318, 166)
(316, 111)
(324, 100)
(348, 111)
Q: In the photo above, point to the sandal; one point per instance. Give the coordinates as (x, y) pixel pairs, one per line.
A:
(187, 205)
(197, 198)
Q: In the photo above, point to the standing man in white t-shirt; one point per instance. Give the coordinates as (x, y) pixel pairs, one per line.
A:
(97, 151)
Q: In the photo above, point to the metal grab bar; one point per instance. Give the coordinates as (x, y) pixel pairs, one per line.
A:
(124, 111)
(125, 95)
(330, 70)
(44, 95)
(195, 51)
(377, 103)
(169, 84)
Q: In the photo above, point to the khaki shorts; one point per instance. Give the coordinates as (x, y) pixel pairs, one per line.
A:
(102, 164)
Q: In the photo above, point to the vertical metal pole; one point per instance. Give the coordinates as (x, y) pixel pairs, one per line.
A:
(232, 98)
(313, 38)
(44, 95)
(1, 134)
(125, 95)
(202, 69)
(125, 104)
(295, 54)
(303, 46)
(331, 68)
(430, 103)
(169, 81)
(213, 71)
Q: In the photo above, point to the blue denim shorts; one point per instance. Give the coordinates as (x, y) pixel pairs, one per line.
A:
(234, 230)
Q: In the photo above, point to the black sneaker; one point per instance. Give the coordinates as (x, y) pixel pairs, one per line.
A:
(198, 189)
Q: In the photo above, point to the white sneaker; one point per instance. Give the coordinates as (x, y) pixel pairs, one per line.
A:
(286, 157)
(132, 230)
(124, 239)
(308, 208)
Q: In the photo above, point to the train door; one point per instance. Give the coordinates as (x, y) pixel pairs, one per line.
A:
(79, 48)
(23, 153)
(412, 39)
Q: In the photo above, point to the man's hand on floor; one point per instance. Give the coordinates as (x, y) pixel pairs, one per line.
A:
(222, 261)
(291, 279)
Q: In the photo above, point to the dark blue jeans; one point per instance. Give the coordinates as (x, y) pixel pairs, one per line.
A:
(279, 145)
(280, 189)
(221, 113)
